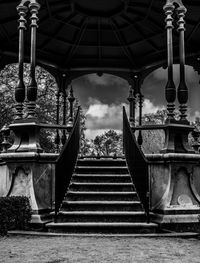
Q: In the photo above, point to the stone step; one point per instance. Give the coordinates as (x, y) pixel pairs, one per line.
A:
(101, 199)
(102, 227)
(99, 196)
(106, 178)
(101, 187)
(101, 162)
(101, 170)
(101, 216)
(101, 206)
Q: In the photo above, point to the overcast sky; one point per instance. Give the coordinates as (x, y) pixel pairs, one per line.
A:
(102, 97)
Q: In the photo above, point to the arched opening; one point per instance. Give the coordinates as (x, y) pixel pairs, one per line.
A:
(101, 98)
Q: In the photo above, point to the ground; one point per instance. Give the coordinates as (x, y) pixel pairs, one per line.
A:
(98, 249)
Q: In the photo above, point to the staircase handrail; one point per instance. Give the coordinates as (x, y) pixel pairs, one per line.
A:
(137, 164)
(66, 162)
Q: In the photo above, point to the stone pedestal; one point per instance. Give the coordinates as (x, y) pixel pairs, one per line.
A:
(33, 175)
(175, 190)
(176, 138)
(26, 137)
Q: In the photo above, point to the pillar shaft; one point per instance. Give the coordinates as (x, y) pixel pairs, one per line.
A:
(71, 100)
(170, 89)
(131, 99)
(57, 137)
(64, 115)
(32, 88)
(182, 88)
(20, 89)
(140, 139)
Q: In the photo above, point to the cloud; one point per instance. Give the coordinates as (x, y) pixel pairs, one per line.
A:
(149, 107)
(106, 79)
(190, 75)
(101, 117)
(108, 89)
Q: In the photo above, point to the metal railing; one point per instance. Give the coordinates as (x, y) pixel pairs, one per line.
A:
(66, 162)
(137, 164)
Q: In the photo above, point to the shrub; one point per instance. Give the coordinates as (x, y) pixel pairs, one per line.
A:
(15, 213)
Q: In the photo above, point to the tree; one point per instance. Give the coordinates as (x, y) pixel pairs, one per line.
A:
(153, 140)
(108, 144)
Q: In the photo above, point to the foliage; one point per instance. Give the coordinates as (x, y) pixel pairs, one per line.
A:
(153, 140)
(15, 213)
(107, 144)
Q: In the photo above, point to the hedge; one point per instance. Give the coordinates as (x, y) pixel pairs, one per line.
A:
(15, 213)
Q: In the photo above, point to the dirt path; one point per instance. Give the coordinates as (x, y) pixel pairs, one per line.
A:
(98, 250)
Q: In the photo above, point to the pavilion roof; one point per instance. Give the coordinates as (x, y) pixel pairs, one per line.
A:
(120, 35)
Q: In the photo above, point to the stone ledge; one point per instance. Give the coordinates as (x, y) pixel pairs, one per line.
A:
(173, 157)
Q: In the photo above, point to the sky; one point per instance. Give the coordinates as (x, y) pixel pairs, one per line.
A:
(102, 97)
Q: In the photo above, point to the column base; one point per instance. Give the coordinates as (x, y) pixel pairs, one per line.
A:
(176, 138)
(178, 219)
(40, 218)
(26, 136)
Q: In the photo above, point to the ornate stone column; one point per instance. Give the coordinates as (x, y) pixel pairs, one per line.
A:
(26, 131)
(71, 100)
(182, 88)
(131, 100)
(57, 137)
(20, 89)
(64, 93)
(170, 89)
(32, 88)
(176, 131)
(140, 139)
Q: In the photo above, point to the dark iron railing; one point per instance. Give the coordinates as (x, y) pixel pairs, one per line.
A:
(65, 163)
(137, 164)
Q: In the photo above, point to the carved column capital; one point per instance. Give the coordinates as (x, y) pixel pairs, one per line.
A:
(169, 9)
(22, 11)
(181, 11)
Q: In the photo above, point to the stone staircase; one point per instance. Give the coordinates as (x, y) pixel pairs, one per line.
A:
(101, 199)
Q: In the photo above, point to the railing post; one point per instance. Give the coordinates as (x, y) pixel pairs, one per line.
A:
(20, 89)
